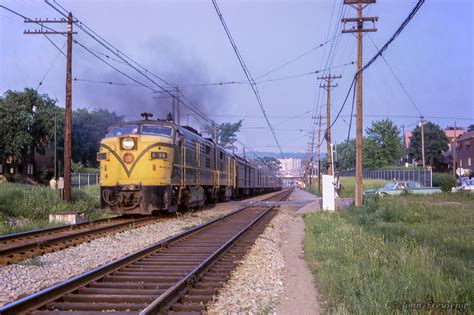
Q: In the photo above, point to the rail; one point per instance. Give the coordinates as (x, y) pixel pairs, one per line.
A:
(149, 280)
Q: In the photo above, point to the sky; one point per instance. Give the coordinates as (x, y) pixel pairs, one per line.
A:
(184, 43)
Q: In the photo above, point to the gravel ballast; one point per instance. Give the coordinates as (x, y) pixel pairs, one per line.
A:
(32, 275)
(257, 282)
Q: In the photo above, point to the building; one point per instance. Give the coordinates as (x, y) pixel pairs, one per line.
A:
(290, 166)
(451, 134)
(465, 151)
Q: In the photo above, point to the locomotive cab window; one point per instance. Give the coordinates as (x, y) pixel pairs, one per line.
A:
(122, 130)
(157, 130)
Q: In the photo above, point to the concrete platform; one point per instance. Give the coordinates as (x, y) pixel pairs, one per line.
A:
(315, 203)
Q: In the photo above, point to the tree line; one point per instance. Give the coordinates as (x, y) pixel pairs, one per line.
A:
(384, 146)
(29, 122)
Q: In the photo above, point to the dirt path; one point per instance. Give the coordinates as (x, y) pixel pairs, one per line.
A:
(300, 295)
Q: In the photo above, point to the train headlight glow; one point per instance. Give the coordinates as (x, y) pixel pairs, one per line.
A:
(128, 158)
(128, 143)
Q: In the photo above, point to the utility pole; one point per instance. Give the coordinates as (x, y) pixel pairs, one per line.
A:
(68, 124)
(453, 147)
(178, 114)
(214, 130)
(404, 144)
(311, 162)
(55, 144)
(327, 87)
(319, 152)
(422, 123)
(173, 108)
(359, 5)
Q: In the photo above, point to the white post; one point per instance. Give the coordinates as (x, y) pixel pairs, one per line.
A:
(328, 193)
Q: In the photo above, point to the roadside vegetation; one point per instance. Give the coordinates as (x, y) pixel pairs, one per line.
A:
(408, 248)
(348, 186)
(26, 207)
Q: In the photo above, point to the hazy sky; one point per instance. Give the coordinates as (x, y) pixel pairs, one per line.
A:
(184, 43)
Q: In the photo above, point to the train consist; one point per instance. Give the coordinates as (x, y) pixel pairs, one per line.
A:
(148, 166)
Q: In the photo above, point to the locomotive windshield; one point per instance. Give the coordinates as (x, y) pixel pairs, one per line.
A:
(157, 130)
(145, 129)
(123, 130)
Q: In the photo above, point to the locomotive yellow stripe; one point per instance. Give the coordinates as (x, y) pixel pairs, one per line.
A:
(147, 149)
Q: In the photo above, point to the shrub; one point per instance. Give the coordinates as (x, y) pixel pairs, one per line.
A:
(443, 180)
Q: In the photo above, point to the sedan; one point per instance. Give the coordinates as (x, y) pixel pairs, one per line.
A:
(466, 185)
(398, 187)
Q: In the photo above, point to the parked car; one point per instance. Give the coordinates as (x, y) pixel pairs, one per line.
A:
(397, 187)
(466, 185)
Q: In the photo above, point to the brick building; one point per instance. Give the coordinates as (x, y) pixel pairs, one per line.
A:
(465, 151)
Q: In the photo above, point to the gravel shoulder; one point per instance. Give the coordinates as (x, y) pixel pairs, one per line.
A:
(32, 275)
(273, 276)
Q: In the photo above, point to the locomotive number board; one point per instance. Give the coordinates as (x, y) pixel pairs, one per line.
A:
(159, 155)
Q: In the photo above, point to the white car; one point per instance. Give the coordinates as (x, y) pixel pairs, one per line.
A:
(466, 185)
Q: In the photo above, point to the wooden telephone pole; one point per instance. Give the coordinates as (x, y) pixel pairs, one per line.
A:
(68, 124)
(454, 148)
(359, 5)
(319, 152)
(311, 161)
(178, 113)
(422, 124)
(327, 87)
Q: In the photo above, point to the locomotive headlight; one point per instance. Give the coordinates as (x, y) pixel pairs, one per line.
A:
(128, 143)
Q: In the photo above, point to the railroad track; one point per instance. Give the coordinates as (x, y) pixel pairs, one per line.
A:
(179, 274)
(19, 246)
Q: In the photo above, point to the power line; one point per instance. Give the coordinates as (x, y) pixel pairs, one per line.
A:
(52, 63)
(54, 44)
(247, 74)
(379, 53)
(395, 35)
(91, 33)
(216, 83)
(294, 59)
(396, 77)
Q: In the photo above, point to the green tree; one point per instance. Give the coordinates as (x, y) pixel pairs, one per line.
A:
(26, 124)
(383, 145)
(226, 133)
(470, 127)
(271, 162)
(436, 143)
(88, 128)
(346, 155)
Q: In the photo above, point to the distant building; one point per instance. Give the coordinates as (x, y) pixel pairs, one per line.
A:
(290, 167)
(451, 134)
(448, 155)
(465, 151)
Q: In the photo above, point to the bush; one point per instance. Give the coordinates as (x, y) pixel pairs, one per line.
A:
(443, 180)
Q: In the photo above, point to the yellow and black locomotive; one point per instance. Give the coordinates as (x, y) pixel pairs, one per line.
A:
(155, 165)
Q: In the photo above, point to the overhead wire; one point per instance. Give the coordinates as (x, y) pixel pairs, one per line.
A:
(247, 74)
(129, 61)
(397, 79)
(185, 86)
(293, 59)
(380, 51)
(52, 63)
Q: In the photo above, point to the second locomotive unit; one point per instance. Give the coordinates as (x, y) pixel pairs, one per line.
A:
(155, 165)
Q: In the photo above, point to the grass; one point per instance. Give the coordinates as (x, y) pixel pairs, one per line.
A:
(409, 248)
(348, 186)
(26, 207)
